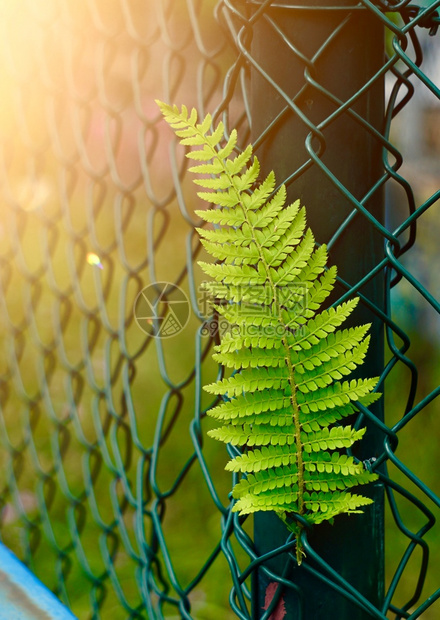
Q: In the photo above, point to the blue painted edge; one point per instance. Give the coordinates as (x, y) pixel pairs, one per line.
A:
(23, 596)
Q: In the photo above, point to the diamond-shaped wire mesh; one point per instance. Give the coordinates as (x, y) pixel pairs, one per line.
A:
(110, 490)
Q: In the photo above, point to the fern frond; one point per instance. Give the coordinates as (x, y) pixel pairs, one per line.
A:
(214, 167)
(274, 478)
(242, 275)
(235, 165)
(260, 318)
(220, 182)
(319, 328)
(340, 393)
(246, 435)
(336, 344)
(241, 237)
(245, 181)
(232, 342)
(321, 289)
(257, 402)
(227, 253)
(326, 506)
(267, 237)
(330, 416)
(332, 463)
(223, 217)
(253, 358)
(334, 482)
(279, 500)
(334, 369)
(280, 417)
(251, 380)
(262, 459)
(330, 438)
(264, 216)
(227, 198)
(291, 391)
(258, 197)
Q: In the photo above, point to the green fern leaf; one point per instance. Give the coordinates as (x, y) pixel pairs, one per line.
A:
(330, 438)
(247, 179)
(264, 216)
(234, 166)
(220, 182)
(214, 167)
(263, 459)
(252, 358)
(286, 403)
(224, 217)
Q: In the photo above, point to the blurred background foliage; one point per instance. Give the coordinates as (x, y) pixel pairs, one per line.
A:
(87, 169)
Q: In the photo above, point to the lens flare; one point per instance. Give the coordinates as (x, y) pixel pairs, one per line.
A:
(93, 259)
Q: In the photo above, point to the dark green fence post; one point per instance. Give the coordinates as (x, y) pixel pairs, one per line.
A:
(305, 59)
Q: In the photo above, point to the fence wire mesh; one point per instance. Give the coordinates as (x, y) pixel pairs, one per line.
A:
(109, 489)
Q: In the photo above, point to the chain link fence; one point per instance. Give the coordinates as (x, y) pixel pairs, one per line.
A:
(110, 490)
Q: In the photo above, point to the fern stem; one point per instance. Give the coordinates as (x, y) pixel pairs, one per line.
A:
(299, 449)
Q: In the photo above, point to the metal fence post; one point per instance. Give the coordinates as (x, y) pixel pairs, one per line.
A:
(303, 60)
